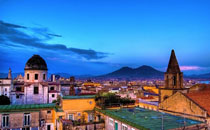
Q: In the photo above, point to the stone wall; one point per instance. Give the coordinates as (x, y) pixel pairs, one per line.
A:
(16, 119)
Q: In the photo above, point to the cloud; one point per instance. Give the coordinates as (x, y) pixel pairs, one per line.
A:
(11, 35)
(55, 35)
(11, 25)
(186, 68)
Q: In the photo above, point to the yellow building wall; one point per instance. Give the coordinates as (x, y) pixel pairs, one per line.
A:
(153, 88)
(165, 92)
(78, 107)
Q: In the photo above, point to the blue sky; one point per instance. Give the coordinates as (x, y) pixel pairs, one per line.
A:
(99, 36)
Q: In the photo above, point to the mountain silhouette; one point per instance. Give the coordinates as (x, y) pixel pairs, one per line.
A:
(143, 72)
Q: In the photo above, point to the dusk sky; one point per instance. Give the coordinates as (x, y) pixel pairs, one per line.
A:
(99, 36)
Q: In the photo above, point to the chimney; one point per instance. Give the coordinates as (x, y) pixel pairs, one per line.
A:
(53, 78)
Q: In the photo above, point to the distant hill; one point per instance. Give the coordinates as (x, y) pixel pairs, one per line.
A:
(200, 76)
(14, 75)
(142, 72)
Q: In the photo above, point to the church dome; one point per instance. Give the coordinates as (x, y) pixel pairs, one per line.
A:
(36, 62)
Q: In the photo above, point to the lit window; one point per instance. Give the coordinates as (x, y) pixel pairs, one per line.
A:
(36, 90)
(26, 119)
(5, 121)
(36, 76)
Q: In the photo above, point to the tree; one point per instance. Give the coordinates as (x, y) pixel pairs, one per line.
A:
(4, 100)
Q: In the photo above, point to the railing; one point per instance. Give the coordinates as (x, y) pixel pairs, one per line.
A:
(74, 125)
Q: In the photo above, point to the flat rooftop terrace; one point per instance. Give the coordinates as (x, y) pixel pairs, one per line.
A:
(26, 107)
(147, 119)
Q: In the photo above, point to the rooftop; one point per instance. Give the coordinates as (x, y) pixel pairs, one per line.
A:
(201, 98)
(147, 119)
(11, 108)
(79, 97)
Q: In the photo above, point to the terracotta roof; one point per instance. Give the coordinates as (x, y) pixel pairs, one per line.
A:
(202, 98)
(173, 66)
(199, 87)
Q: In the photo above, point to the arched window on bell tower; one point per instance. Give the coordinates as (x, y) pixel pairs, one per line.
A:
(174, 80)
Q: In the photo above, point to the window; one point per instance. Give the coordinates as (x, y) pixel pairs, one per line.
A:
(111, 122)
(52, 88)
(48, 112)
(174, 80)
(90, 117)
(27, 76)
(36, 76)
(53, 95)
(18, 89)
(124, 127)
(48, 127)
(17, 96)
(43, 76)
(27, 128)
(5, 121)
(36, 90)
(71, 117)
(26, 119)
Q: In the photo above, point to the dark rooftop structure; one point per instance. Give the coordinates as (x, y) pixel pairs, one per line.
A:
(36, 62)
(173, 66)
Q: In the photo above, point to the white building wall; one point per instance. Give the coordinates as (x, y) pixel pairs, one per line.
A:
(51, 99)
(111, 126)
(5, 87)
(41, 97)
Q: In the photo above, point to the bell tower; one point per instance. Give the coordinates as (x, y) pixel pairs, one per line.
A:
(173, 78)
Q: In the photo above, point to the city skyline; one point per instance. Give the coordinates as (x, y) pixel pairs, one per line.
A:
(99, 37)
